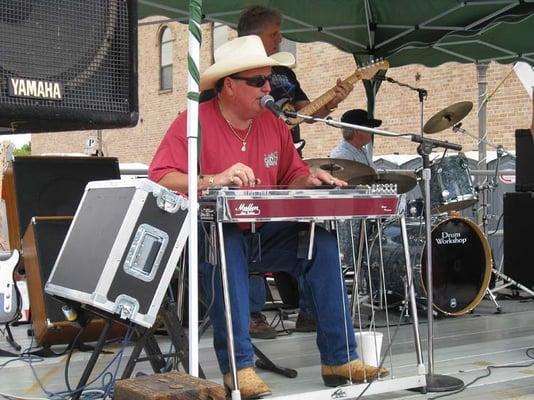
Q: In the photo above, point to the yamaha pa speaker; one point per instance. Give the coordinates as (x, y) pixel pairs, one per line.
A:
(518, 248)
(49, 186)
(67, 65)
(42, 242)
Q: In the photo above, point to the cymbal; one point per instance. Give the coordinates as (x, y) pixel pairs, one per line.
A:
(340, 168)
(405, 181)
(448, 117)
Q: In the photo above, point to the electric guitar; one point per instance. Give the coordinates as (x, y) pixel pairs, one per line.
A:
(9, 295)
(366, 72)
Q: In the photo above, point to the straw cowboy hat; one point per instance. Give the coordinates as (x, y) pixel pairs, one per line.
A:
(241, 54)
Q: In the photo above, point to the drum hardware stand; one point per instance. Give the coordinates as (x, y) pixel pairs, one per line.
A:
(511, 282)
(484, 189)
(458, 129)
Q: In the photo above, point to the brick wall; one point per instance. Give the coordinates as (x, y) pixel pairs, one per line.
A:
(318, 66)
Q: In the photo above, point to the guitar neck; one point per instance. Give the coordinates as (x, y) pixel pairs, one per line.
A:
(323, 100)
(366, 72)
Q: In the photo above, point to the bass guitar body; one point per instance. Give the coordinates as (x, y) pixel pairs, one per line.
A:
(9, 296)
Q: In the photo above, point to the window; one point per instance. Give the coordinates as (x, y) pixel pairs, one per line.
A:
(165, 77)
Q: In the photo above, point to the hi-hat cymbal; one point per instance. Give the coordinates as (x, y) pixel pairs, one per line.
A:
(340, 168)
(405, 181)
(448, 117)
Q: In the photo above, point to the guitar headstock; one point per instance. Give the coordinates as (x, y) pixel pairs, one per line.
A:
(370, 70)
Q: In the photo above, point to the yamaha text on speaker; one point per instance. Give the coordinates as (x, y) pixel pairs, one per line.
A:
(68, 65)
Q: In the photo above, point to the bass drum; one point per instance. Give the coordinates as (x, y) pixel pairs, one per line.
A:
(461, 263)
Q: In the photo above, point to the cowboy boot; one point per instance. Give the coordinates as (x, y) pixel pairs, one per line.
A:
(335, 375)
(251, 385)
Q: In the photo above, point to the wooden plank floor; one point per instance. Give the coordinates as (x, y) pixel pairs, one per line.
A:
(463, 347)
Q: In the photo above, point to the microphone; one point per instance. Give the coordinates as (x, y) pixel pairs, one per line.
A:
(268, 102)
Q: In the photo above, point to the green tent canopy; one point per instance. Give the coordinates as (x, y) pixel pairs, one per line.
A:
(427, 32)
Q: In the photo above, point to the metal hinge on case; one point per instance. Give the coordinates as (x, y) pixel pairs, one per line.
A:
(126, 306)
(169, 201)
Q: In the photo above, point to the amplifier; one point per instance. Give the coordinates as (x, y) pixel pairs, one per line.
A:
(524, 168)
(518, 248)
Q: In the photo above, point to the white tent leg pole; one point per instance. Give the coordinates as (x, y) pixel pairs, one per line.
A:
(192, 161)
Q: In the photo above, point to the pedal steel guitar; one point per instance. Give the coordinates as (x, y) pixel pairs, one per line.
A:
(299, 204)
(257, 205)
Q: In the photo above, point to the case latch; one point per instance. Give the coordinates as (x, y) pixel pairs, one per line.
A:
(126, 306)
(169, 201)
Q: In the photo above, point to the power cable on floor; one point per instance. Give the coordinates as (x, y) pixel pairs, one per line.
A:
(488, 373)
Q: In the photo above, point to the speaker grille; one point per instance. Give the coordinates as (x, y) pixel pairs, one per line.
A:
(88, 47)
(54, 186)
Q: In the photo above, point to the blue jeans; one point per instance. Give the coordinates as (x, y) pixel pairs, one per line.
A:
(257, 292)
(279, 244)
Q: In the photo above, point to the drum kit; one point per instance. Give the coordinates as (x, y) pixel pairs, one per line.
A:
(461, 255)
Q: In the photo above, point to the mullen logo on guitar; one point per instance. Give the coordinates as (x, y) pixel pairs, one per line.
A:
(9, 297)
(366, 72)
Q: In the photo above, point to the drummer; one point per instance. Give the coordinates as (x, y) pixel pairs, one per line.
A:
(353, 144)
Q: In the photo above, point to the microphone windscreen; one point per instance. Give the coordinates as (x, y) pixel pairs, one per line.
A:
(266, 100)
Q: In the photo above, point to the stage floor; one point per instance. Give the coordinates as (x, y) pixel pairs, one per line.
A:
(463, 347)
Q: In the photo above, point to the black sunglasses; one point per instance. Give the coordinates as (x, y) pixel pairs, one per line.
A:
(255, 81)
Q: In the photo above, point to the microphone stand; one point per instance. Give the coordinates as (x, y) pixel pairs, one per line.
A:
(423, 94)
(434, 382)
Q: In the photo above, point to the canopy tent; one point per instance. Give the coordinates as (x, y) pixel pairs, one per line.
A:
(402, 31)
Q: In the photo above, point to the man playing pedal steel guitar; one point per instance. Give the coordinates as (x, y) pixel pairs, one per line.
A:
(244, 145)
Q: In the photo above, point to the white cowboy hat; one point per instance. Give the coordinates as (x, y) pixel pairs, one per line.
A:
(241, 54)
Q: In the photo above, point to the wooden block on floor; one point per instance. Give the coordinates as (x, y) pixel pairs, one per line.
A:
(170, 385)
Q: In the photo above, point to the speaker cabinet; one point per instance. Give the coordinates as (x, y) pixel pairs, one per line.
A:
(49, 186)
(518, 248)
(68, 65)
(524, 150)
(41, 244)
